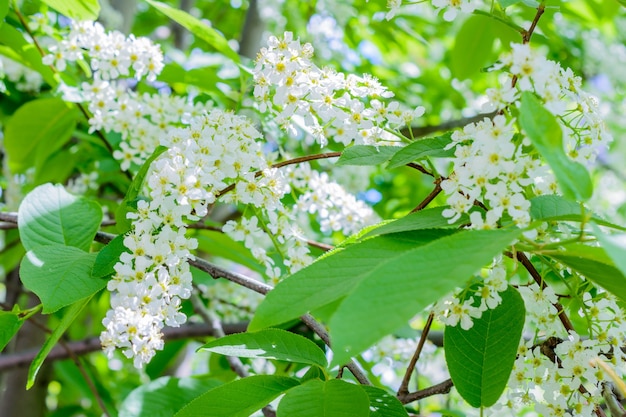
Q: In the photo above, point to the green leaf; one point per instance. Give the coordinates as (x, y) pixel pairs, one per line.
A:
(198, 28)
(69, 316)
(404, 283)
(222, 245)
(472, 48)
(615, 247)
(421, 148)
(108, 257)
(333, 276)
(430, 218)
(24, 52)
(164, 396)
(269, 344)
(10, 323)
(239, 398)
(545, 133)
(50, 215)
(59, 275)
(383, 404)
(595, 264)
(4, 9)
(480, 359)
(507, 3)
(76, 9)
(366, 155)
(36, 130)
(334, 398)
(557, 208)
(128, 204)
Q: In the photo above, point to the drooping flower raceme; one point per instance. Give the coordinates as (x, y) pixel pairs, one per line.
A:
(216, 150)
(492, 163)
(326, 103)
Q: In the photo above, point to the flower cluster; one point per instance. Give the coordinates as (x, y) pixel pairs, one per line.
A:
(140, 119)
(24, 78)
(336, 209)
(452, 7)
(470, 303)
(216, 150)
(491, 162)
(551, 369)
(327, 103)
(110, 55)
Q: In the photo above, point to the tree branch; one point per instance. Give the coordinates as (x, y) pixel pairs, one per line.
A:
(92, 344)
(404, 387)
(440, 388)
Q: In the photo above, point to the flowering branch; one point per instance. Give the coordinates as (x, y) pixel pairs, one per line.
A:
(261, 288)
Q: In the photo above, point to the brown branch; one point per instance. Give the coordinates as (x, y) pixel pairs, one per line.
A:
(419, 168)
(523, 259)
(430, 197)
(293, 161)
(404, 387)
(440, 388)
(92, 344)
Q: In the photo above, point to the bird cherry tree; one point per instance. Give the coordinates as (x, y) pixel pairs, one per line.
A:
(397, 209)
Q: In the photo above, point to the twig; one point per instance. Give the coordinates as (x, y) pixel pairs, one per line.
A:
(293, 161)
(420, 168)
(440, 388)
(404, 387)
(430, 197)
(523, 259)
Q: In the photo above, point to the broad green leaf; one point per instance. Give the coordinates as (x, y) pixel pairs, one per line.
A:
(24, 52)
(383, 404)
(615, 247)
(405, 283)
(269, 344)
(595, 264)
(50, 215)
(334, 276)
(222, 245)
(36, 130)
(422, 148)
(472, 47)
(480, 359)
(164, 396)
(69, 316)
(198, 28)
(59, 275)
(366, 155)
(334, 398)
(108, 257)
(4, 9)
(430, 218)
(10, 323)
(507, 3)
(129, 203)
(555, 207)
(76, 9)
(545, 133)
(239, 398)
